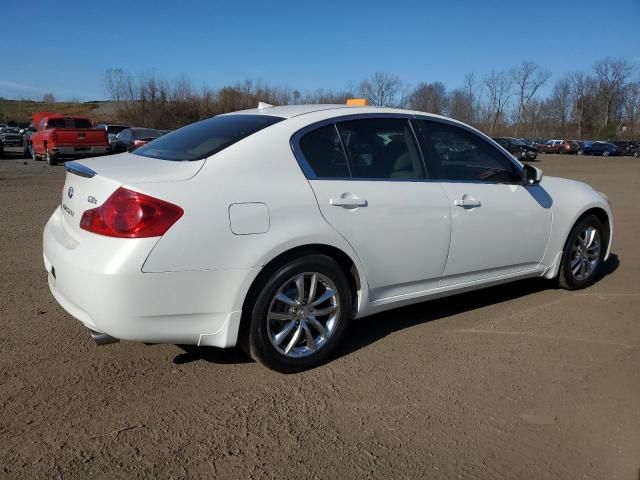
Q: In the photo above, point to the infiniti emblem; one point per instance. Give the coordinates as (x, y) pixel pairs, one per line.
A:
(70, 192)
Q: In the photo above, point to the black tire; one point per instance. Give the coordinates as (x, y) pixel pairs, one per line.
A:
(605, 154)
(50, 157)
(566, 278)
(255, 336)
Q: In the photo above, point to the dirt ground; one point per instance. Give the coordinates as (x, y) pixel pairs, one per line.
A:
(518, 381)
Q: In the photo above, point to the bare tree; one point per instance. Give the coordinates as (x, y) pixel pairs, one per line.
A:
(612, 75)
(561, 103)
(429, 97)
(498, 85)
(48, 98)
(632, 108)
(527, 78)
(461, 105)
(580, 85)
(381, 89)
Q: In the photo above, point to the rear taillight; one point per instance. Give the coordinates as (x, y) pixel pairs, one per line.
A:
(138, 143)
(129, 214)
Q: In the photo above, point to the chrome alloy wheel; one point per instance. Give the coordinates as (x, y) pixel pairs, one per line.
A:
(585, 253)
(303, 314)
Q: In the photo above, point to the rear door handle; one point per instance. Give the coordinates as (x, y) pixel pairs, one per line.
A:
(467, 202)
(348, 202)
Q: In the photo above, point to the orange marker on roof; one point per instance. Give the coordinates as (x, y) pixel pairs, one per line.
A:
(357, 102)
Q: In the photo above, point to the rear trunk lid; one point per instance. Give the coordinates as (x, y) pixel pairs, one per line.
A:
(90, 182)
(80, 137)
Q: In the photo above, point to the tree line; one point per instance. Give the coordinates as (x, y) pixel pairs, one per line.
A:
(602, 103)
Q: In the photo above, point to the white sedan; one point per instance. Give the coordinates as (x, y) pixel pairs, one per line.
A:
(272, 228)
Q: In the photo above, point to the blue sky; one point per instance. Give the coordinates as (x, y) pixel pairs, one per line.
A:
(301, 44)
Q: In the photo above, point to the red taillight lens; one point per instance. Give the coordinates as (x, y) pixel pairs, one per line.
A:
(138, 143)
(129, 214)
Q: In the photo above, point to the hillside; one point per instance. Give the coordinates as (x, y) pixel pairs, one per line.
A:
(18, 112)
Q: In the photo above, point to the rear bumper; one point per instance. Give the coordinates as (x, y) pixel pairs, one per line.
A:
(100, 283)
(81, 151)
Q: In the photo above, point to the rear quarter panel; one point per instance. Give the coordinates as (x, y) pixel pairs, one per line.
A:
(259, 169)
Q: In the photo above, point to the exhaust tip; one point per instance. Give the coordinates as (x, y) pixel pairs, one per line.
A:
(102, 338)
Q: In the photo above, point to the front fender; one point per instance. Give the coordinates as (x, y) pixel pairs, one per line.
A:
(571, 200)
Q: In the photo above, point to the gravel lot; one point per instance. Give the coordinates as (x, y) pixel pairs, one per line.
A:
(518, 381)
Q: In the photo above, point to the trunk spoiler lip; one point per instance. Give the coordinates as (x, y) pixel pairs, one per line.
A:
(79, 169)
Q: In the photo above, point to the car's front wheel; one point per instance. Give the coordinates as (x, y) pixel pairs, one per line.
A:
(583, 254)
(299, 315)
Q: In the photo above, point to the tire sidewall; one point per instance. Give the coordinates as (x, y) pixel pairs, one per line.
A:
(260, 347)
(567, 279)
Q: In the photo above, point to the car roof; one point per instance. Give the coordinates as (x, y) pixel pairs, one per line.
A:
(332, 110)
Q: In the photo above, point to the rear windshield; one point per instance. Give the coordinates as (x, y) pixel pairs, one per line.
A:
(69, 123)
(202, 139)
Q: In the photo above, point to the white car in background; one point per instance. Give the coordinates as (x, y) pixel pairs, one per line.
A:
(273, 227)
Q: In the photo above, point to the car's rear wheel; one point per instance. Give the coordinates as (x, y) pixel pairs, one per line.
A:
(583, 254)
(50, 157)
(299, 315)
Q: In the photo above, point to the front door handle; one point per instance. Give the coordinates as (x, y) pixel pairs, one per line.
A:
(348, 202)
(467, 202)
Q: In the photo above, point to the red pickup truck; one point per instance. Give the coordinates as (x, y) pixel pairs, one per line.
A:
(58, 137)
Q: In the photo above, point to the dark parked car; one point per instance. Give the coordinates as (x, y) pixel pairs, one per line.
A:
(518, 148)
(112, 130)
(598, 148)
(10, 137)
(132, 138)
(626, 146)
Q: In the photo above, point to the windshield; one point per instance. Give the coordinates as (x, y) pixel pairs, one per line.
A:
(202, 139)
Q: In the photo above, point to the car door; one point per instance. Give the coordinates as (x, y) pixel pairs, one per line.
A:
(369, 180)
(498, 226)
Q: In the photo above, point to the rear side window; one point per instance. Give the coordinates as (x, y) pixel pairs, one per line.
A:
(205, 138)
(322, 150)
(381, 148)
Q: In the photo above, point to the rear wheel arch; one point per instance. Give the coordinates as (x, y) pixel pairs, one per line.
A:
(345, 262)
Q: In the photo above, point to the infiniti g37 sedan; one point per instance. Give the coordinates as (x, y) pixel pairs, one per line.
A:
(272, 228)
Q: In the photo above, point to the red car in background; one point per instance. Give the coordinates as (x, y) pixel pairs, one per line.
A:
(559, 146)
(57, 137)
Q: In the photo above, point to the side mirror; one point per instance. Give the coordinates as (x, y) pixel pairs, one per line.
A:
(531, 175)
